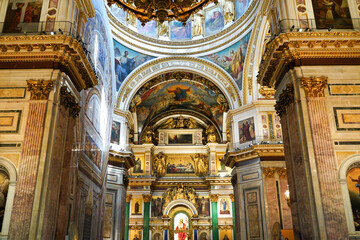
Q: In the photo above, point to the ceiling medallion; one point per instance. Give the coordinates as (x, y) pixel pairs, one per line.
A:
(162, 10)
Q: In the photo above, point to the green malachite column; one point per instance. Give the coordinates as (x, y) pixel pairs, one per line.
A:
(233, 215)
(214, 209)
(146, 229)
(128, 199)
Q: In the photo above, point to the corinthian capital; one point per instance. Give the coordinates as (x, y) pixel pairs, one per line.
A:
(314, 86)
(39, 89)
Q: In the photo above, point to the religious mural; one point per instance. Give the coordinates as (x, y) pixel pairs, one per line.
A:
(176, 138)
(241, 6)
(232, 59)
(246, 130)
(118, 13)
(135, 234)
(226, 235)
(126, 60)
(136, 206)
(92, 150)
(332, 13)
(204, 236)
(214, 21)
(180, 32)
(224, 205)
(179, 95)
(115, 133)
(203, 206)
(22, 16)
(148, 30)
(157, 204)
(353, 182)
(179, 164)
(181, 225)
(139, 165)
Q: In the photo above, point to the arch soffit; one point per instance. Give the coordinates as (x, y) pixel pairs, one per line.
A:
(10, 167)
(180, 202)
(347, 162)
(158, 66)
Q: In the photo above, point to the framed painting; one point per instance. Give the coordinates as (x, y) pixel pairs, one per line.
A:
(156, 206)
(224, 206)
(246, 130)
(115, 133)
(181, 226)
(204, 235)
(178, 138)
(92, 150)
(226, 235)
(179, 164)
(136, 206)
(214, 21)
(353, 182)
(149, 29)
(139, 165)
(180, 32)
(135, 234)
(203, 206)
(157, 236)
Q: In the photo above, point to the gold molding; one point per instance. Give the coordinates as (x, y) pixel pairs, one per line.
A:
(314, 86)
(121, 159)
(147, 197)
(281, 172)
(269, 172)
(69, 102)
(214, 197)
(267, 92)
(51, 49)
(128, 198)
(285, 98)
(40, 89)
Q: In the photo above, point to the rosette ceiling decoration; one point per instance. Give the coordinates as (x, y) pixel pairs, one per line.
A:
(162, 10)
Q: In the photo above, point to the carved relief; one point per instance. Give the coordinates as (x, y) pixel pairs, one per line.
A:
(285, 98)
(267, 92)
(211, 134)
(69, 102)
(40, 89)
(314, 86)
(180, 122)
(159, 164)
(180, 192)
(269, 172)
(201, 164)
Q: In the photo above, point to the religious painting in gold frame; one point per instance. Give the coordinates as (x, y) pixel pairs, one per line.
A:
(226, 234)
(220, 165)
(136, 206)
(138, 169)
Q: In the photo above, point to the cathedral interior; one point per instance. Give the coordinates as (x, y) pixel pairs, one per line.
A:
(180, 119)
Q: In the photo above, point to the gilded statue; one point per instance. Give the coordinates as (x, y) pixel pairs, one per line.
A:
(149, 135)
(229, 11)
(164, 29)
(180, 192)
(201, 164)
(180, 122)
(210, 134)
(191, 123)
(198, 29)
(159, 164)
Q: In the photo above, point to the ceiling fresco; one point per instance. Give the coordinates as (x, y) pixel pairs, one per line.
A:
(177, 95)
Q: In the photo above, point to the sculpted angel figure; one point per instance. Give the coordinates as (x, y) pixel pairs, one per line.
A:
(200, 164)
(159, 164)
(210, 134)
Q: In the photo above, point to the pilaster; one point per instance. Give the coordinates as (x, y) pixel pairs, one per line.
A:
(146, 230)
(214, 210)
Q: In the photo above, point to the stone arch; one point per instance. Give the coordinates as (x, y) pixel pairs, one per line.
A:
(158, 66)
(12, 173)
(180, 202)
(343, 170)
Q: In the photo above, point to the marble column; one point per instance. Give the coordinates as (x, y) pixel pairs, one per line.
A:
(146, 229)
(236, 213)
(127, 213)
(233, 212)
(29, 161)
(333, 206)
(214, 210)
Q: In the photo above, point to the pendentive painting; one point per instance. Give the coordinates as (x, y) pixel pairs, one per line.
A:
(241, 6)
(115, 133)
(203, 206)
(226, 235)
(135, 234)
(149, 29)
(22, 16)
(232, 59)
(180, 32)
(136, 206)
(214, 21)
(139, 165)
(156, 206)
(332, 13)
(179, 164)
(247, 130)
(126, 60)
(92, 150)
(176, 138)
(353, 182)
(224, 205)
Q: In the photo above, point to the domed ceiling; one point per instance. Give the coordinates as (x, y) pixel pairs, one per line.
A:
(209, 21)
(176, 92)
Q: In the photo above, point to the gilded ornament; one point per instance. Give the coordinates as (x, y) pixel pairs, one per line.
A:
(232, 197)
(40, 89)
(201, 164)
(281, 172)
(159, 164)
(211, 134)
(147, 197)
(69, 102)
(128, 197)
(314, 86)
(180, 192)
(285, 98)
(267, 92)
(214, 197)
(269, 172)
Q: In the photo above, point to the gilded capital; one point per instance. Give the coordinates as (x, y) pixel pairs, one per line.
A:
(128, 197)
(232, 197)
(285, 98)
(267, 92)
(281, 172)
(40, 89)
(269, 172)
(214, 197)
(69, 102)
(147, 197)
(314, 86)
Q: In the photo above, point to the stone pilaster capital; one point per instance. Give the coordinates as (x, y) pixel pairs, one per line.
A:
(214, 197)
(147, 197)
(69, 102)
(281, 172)
(39, 89)
(232, 197)
(285, 98)
(269, 172)
(314, 86)
(128, 197)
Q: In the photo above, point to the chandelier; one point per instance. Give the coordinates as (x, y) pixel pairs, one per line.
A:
(162, 10)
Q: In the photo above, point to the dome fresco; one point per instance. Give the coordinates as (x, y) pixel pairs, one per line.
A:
(208, 21)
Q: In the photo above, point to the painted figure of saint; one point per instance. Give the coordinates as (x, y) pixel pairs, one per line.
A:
(123, 66)
(180, 94)
(181, 226)
(137, 207)
(357, 183)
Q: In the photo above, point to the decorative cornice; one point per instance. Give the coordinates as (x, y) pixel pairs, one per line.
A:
(121, 159)
(40, 89)
(285, 98)
(295, 48)
(147, 197)
(69, 102)
(267, 92)
(214, 197)
(51, 51)
(128, 197)
(314, 86)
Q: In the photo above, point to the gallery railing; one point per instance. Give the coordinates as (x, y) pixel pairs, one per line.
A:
(321, 24)
(238, 146)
